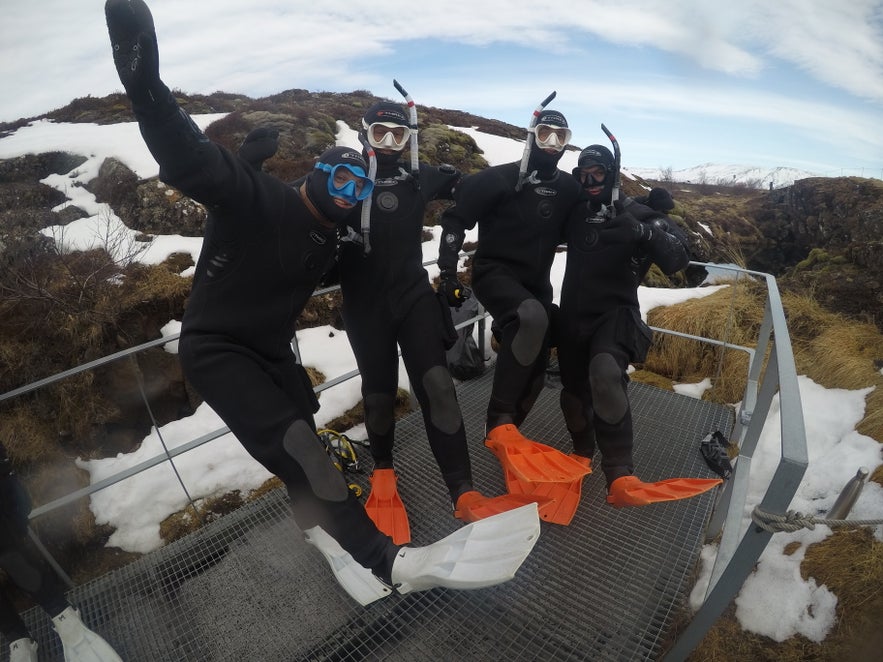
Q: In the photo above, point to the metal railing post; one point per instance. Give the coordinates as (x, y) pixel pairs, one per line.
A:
(736, 562)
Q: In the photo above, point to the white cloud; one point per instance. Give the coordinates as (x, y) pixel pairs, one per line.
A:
(642, 64)
(840, 43)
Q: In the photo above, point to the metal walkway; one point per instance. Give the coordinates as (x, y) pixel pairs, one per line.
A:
(247, 587)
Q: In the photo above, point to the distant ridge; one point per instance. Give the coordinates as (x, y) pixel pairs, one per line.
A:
(716, 173)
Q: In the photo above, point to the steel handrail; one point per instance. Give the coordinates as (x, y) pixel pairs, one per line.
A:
(738, 554)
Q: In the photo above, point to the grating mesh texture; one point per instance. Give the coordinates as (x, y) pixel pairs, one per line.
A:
(247, 587)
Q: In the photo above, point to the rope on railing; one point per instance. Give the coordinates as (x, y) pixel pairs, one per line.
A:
(794, 521)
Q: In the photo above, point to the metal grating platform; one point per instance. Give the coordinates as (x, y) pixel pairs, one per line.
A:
(247, 587)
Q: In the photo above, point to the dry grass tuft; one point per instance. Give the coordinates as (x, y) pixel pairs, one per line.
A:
(28, 439)
(731, 315)
(727, 642)
(839, 353)
(831, 350)
(850, 564)
(208, 510)
(653, 379)
(268, 485)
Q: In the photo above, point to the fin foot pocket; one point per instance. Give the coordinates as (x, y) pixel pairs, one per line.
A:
(531, 460)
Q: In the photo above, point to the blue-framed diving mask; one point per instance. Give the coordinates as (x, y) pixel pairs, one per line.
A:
(347, 182)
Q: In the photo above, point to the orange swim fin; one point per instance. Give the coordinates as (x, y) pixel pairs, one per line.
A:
(473, 506)
(565, 497)
(385, 507)
(530, 460)
(632, 491)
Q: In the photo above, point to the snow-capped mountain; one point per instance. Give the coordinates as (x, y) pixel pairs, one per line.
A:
(722, 174)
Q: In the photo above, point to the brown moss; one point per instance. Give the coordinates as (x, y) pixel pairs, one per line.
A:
(266, 487)
(28, 439)
(653, 379)
(356, 415)
(186, 521)
(850, 564)
(726, 641)
(321, 310)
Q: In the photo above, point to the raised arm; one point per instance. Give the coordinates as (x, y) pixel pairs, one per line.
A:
(455, 220)
(188, 160)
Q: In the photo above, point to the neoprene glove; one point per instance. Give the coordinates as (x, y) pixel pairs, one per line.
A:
(455, 293)
(641, 212)
(660, 200)
(624, 228)
(259, 145)
(136, 55)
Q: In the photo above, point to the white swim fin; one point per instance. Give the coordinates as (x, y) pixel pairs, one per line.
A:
(480, 554)
(357, 580)
(80, 644)
(23, 650)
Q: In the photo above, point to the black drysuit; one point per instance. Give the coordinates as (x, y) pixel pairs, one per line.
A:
(387, 300)
(20, 559)
(600, 328)
(264, 252)
(518, 233)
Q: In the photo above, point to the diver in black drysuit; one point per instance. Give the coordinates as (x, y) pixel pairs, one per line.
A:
(20, 560)
(518, 233)
(388, 301)
(600, 331)
(23, 564)
(266, 245)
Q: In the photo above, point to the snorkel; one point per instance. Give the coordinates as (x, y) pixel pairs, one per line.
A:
(528, 144)
(614, 195)
(366, 203)
(412, 112)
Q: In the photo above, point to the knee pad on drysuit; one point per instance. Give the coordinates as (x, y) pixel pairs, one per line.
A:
(444, 411)
(305, 448)
(533, 323)
(609, 397)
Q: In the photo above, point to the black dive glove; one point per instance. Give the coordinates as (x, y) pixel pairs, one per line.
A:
(624, 228)
(660, 200)
(259, 145)
(136, 56)
(455, 293)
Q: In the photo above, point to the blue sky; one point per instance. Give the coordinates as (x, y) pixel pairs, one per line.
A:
(793, 83)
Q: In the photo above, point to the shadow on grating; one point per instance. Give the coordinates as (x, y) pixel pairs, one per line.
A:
(607, 587)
